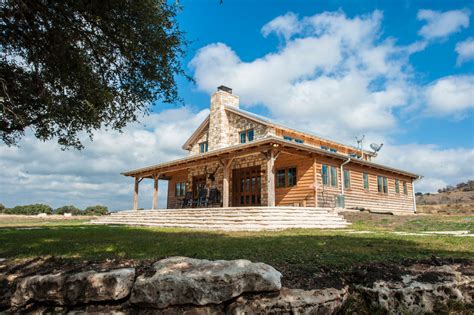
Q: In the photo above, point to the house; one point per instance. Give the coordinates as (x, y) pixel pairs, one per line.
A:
(252, 161)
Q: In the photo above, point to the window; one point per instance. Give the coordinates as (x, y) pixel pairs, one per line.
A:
(324, 148)
(291, 176)
(280, 180)
(397, 186)
(246, 136)
(382, 184)
(333, 176)
(180, 189)
(366, 181)
(299, 141)
(287, 138)
(405, 190)
(203, 147)
(325, 175)
(347, 179)
(332, 150)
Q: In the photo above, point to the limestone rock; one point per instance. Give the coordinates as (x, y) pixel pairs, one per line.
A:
(425, 289)
(73, 289)
(182, 280)
(91, 286)
(291, 301)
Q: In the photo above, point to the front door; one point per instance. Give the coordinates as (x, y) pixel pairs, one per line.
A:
(199, 182)
(247, 186)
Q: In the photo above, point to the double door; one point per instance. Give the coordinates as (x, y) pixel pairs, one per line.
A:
(247, 187)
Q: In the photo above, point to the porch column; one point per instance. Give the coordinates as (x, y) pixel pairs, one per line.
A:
(271, 157)
(315, 179)
(155, 192)
(135, 193)
(226, 164)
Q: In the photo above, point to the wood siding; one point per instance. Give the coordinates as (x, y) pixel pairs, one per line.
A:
(302, 194)
(177, 177)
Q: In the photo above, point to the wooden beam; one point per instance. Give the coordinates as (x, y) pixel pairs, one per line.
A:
(155, 192)
(135, 193)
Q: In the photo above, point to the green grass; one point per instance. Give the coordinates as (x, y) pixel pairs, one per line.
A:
(302, 249)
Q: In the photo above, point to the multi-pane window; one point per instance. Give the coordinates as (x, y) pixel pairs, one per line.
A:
(287, 138)
(299, 141)
(366, 181)
(382, 184)
(291, 176)
(325, 175)
(180, 189)
(203, 147)
(324, 148)
(397, 186)
(405, 190)
(347, 179)
(333, 176)
(247, 136)
(280, 178)
(332, 150)
(286, 177)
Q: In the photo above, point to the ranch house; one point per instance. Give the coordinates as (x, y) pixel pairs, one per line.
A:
(239, 159)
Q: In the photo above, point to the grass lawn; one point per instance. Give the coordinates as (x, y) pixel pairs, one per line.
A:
(299, 249)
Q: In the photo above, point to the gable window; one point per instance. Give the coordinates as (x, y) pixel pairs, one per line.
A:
(333, 176)
(397, 186)
(291, 176)
(246, 136)
(203, 147)
(280, 178)
(180, 189)
(405, 190)
(325, 175)
(366, 181)
(347, 179)
(382, 186)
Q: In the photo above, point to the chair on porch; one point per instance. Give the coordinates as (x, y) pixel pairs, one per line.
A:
(214, 197)
(202, 198)
(188, 200)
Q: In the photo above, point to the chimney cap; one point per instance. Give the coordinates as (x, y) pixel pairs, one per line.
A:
(224, 88)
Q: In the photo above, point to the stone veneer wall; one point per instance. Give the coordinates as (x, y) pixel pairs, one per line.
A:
(203, 138)
(218, 120)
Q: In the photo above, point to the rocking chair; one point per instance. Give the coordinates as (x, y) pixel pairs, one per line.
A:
(188, 200)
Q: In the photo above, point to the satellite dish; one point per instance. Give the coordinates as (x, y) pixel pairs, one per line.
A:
(376, 147)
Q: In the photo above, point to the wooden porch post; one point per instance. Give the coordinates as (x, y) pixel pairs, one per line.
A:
(226, 164)
(271, 156)
(315, 179)
(135, 193)
(155, 192)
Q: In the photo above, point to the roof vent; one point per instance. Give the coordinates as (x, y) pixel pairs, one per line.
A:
(224, 88)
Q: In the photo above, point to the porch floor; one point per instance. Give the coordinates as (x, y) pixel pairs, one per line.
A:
(230, 219)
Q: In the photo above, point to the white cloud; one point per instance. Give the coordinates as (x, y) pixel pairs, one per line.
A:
(450, 95)
(338, 72)
(40, 172)
(284, 26)
(442, 24)
(465, 50)
(439, 167)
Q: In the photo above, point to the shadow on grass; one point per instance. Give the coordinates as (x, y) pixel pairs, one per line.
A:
(300, 248)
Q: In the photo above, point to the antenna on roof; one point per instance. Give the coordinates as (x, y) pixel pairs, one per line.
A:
(376, 147)
(360, 142)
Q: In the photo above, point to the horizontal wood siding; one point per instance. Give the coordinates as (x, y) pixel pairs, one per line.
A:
(302, 194)
(177, 177)
(358, 197)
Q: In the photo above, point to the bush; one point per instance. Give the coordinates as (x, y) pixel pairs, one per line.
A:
(68, 209)
(2, 208)
(30, 209)
(96, 210)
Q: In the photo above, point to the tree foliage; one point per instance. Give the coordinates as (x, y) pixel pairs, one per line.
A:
(77, 66)
(96, 210)
(68, 209)
(29, 209)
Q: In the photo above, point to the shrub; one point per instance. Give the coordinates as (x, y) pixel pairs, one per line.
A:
(30, 209)
(68, 209)
(96, 210)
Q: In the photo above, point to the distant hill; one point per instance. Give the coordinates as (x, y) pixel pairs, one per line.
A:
(450, 199)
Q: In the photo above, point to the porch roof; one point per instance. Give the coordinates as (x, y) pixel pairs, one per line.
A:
(249, 148)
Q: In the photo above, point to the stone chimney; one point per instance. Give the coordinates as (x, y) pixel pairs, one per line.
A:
(218, 120)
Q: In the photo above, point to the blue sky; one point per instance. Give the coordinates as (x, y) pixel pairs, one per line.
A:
(401, 73)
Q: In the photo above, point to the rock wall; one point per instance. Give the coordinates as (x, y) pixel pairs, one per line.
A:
(180, 285)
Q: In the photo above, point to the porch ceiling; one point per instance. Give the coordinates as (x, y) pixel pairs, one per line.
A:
(250, 148)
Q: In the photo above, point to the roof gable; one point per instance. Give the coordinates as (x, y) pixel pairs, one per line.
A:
(202, 127)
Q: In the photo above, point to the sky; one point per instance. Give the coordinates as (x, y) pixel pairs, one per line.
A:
(398, 72)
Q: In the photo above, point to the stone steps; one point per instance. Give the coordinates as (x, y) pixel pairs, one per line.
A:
(231, 219)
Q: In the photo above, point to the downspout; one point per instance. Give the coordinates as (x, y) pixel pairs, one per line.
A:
(413, 191)
(342, 175)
